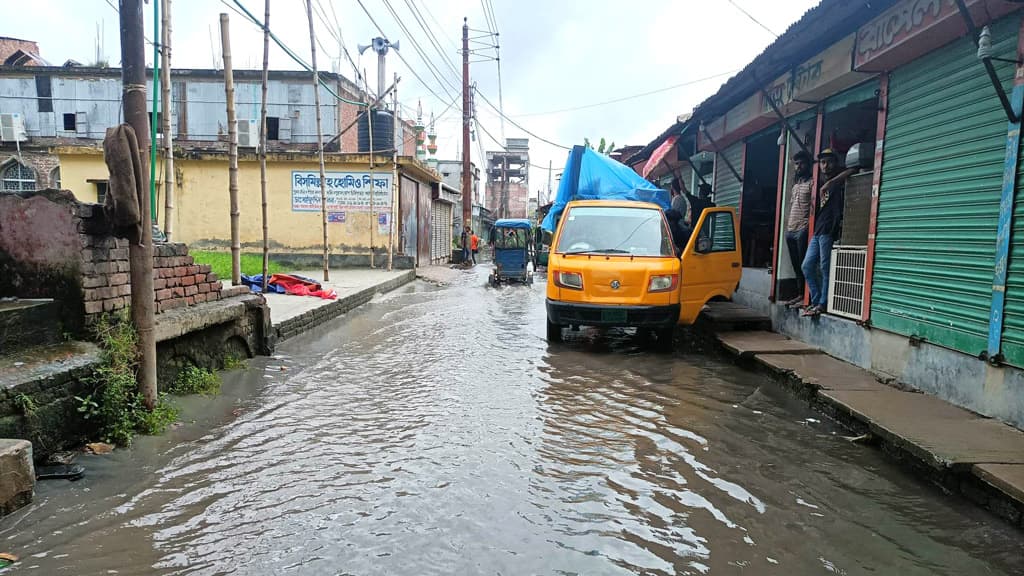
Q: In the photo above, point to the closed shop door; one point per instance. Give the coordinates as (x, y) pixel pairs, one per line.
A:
(407, 217)
(440, 214)
(423, 215)
(727, 187)
(939, 197)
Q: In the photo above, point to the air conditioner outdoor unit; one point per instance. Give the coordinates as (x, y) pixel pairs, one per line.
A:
(248, 133)
(846, 281)
(12, 128)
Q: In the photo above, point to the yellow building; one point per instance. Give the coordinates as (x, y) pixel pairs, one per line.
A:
(201, 215)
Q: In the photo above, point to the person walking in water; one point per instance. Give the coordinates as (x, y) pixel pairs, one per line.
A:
(474, 244)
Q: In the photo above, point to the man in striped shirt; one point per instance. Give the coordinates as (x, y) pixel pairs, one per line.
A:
(796, 224)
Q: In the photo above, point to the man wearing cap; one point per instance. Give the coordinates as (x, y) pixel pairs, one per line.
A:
(828, 215)
(796, 224)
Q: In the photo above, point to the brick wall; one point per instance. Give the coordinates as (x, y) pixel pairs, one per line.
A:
(42, 163)
(9, 46)
(52, 246)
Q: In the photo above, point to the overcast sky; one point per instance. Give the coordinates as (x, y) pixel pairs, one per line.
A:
(557, 57)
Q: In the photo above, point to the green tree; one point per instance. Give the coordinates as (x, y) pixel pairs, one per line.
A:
(603, 147)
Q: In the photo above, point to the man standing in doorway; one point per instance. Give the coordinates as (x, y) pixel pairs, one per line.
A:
(465, 244)
(699, 202)
(828, 216)
(796, 224)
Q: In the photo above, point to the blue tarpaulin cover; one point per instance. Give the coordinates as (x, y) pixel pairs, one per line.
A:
(513, 223)
(592, 176)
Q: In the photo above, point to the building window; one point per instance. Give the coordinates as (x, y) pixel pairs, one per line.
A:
(17, 177)
(273, 127)
(55, 178)
(101, 191)
(69, 122)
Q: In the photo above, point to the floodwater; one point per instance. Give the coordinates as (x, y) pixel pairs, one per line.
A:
(434, 431)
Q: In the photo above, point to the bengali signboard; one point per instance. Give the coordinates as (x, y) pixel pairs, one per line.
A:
(914, 27)
(346, 191)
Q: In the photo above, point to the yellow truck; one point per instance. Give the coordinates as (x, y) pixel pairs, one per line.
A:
(612, 263)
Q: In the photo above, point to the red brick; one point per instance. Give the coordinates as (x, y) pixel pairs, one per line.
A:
(125, 289)
(190, 300)
(112, 304)
(204, 287)
(94, 281)
(200, 278)
(121, 266)
(216, 286)
(180, 271)
(193, 269)
(164, 294)
(199, 298)
(118, 279)
(172, 304)
(187, 260)
(211, 277)
(188, 280)
(191, 290)
(93, 307)
(178, 292)
(211, 296)
(159, 283)
(92, 294)
(173, 282)
(205, 269)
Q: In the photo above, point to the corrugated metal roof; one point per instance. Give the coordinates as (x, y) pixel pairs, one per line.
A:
(816, 30)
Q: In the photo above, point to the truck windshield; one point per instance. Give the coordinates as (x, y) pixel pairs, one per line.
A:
(614, 230)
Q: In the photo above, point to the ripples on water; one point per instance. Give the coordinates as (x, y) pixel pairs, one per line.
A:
(435, 432)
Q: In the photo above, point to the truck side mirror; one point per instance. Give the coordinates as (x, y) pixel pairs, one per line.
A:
(703, 245)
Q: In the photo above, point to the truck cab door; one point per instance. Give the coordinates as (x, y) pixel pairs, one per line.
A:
(711, 262)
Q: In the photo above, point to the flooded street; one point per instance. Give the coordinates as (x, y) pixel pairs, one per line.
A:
(434, 431)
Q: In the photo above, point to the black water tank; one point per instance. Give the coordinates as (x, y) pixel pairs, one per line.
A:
(383, 131)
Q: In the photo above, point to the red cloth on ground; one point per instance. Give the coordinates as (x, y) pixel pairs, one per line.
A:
(299, 287)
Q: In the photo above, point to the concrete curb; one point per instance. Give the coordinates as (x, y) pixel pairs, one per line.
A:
(863, 403)
(308, 320)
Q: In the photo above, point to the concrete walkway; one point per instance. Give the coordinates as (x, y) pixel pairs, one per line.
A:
(964, 452)
(292, 315)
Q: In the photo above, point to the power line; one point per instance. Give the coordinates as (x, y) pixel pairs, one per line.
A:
(756, 21)
(631, 97)
(431, 36)
(291, 53)
(399, 54)
(517, 125)
(433, 68)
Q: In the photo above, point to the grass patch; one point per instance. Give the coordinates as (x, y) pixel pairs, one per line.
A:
(195, 380)
(220, 263)
(115, 404)
(233, 363)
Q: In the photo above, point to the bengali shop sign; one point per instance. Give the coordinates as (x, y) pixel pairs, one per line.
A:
(346, 191)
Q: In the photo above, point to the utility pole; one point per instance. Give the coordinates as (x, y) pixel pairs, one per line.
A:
(319, 138)
(394, 188)
(263, 143)
(467, 177)
(373, 215)
(547, 197)
(165, 86)
(229, 91)
(140, 252)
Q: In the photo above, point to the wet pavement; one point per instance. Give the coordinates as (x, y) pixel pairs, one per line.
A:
(434, 431)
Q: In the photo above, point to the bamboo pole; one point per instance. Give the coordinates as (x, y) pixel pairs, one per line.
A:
(140, 250)
(319, 136)
(394, 181)
(263, 143)
(165, 85)
(373, 214)
(229, 90)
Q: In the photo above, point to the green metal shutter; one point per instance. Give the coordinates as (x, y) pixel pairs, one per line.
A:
(939, 199)
(727, 187)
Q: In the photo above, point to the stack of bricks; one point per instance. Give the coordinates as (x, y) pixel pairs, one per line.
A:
(178, 281)
(106, 284)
